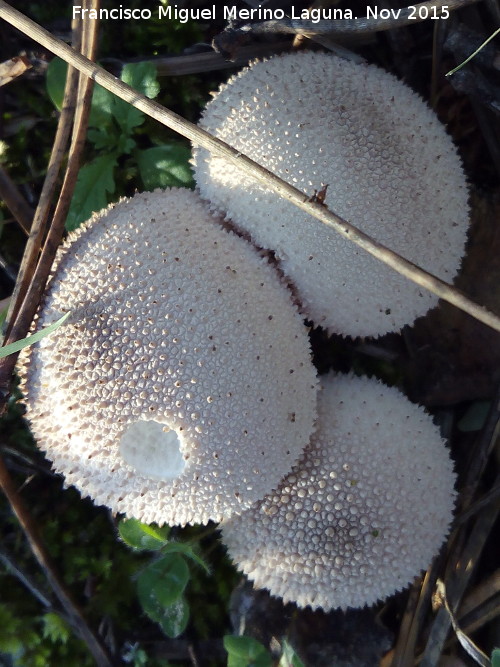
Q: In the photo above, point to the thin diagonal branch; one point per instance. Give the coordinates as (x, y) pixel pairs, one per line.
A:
(202, 138)
(24, 578)
(40, 552)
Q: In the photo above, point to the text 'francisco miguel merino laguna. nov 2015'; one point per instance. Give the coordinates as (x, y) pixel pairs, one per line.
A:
(232, 13)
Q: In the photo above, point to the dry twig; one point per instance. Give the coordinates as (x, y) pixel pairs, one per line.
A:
(355, 26)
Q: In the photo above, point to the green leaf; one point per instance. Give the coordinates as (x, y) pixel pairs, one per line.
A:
(55, 80)
(105, 137)
(141, 77)
(174, 618)
(165, 166)
(187, 551)
(143, 536)
(162, 583)
(95, 180)
(495, 658)
(34, 338)
(55, 628)
(101, 112)
(246, 652)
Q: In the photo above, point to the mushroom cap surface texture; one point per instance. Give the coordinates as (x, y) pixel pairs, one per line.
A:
(391, 169)
(181, 388)
(363, 512)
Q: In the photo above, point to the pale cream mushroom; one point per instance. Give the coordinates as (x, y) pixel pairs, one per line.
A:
(181, 389)
(391, 170)
(364, 511)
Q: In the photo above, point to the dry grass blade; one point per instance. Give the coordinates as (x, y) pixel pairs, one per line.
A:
(251, 168)
(462, 558)
(464, 563)
(475, 653)
(465, 552)
(481, 605)
(414, 619)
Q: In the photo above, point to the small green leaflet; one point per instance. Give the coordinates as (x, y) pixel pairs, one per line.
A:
(187, 551)
(56, 80)
(160, 587)
(55, 628)
(174, 618)
(495, 658)
(95, 181)
(165, 166)
(34, 338)
(140, 77)
(143, 536)
(163, 582)
(246, 652)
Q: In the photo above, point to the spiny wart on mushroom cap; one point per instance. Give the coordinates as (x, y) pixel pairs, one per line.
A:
(364, 511)
(392, 171)
(181, 389)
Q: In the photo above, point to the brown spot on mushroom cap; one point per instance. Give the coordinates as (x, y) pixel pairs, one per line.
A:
(166, 396)
(363, 512)
(316, 119)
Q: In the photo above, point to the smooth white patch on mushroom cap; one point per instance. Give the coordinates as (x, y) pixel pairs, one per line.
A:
(391, 168)
(363, 512)
(152, 449)
(176, 324)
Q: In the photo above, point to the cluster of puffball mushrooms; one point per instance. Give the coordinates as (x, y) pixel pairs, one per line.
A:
(181, 389)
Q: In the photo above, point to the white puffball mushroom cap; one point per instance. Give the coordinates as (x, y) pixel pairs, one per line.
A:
(391, 170)
(363, 512)
(181, 388)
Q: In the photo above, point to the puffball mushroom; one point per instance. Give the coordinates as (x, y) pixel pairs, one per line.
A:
(363, 512)
(181, 388)
(391, 170)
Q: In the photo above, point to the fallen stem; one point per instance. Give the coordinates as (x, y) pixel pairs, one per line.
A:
(358, 26)
(202, 138)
